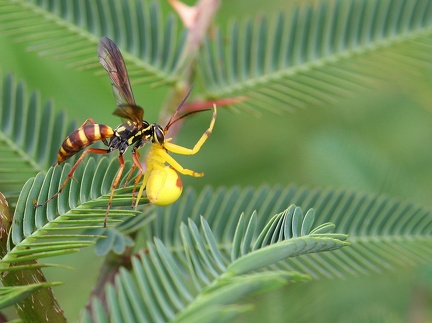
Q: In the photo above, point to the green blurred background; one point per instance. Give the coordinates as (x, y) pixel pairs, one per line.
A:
(377, 140)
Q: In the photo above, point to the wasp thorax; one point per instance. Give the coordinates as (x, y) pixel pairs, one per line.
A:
(158, 134)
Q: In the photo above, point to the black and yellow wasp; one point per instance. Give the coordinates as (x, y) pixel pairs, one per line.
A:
(162, 183)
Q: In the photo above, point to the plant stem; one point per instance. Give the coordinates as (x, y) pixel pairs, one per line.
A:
(197, 19)
(41, 306)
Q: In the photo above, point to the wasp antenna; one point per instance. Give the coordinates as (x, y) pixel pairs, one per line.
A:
(183, 116)
(171, 122)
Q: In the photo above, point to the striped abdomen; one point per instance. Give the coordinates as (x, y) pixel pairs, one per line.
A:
(82, 138)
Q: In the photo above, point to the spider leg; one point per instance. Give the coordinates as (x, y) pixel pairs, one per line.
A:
(150, 167)
(175, 164)
(114, 186)
(187, 151)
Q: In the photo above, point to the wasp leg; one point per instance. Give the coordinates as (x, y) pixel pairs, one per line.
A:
(72, 171)
(132, 169)
(114, 186)
(89, 120)
(187, 151)
(135, 157)
(134, 166)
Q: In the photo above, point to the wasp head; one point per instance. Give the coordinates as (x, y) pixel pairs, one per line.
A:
(157, 134)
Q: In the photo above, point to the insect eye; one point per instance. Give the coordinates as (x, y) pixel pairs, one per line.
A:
(158, 135)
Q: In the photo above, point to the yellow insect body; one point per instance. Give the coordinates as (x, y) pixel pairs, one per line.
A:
(162, 183)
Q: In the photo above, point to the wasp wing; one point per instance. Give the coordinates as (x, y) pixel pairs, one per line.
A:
(111, 59)
(130, 112)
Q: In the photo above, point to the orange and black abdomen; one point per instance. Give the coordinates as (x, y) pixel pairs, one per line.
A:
(82, 138)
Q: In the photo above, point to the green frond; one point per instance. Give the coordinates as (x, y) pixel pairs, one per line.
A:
(57, 228)
(30, 135)
(183, 286)
(316, 54)
(117, 239)
(114, 240)
(351, 160)
(69, 30)
(211, 264)
(380, 229)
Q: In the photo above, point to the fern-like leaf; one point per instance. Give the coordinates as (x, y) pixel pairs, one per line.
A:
(380, 229)
(188, 284)
(68, 31)
(29, 135)
(316, 54)
(57, 228)
(209, 265)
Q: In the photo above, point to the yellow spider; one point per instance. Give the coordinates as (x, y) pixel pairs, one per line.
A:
(162, 182)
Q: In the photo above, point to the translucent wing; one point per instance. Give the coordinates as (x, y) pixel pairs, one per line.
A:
(112, 60)
(131, 112)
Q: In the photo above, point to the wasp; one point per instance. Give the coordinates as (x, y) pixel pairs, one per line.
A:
(160, 181)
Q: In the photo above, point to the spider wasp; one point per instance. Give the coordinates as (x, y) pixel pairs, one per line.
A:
(162, 183)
